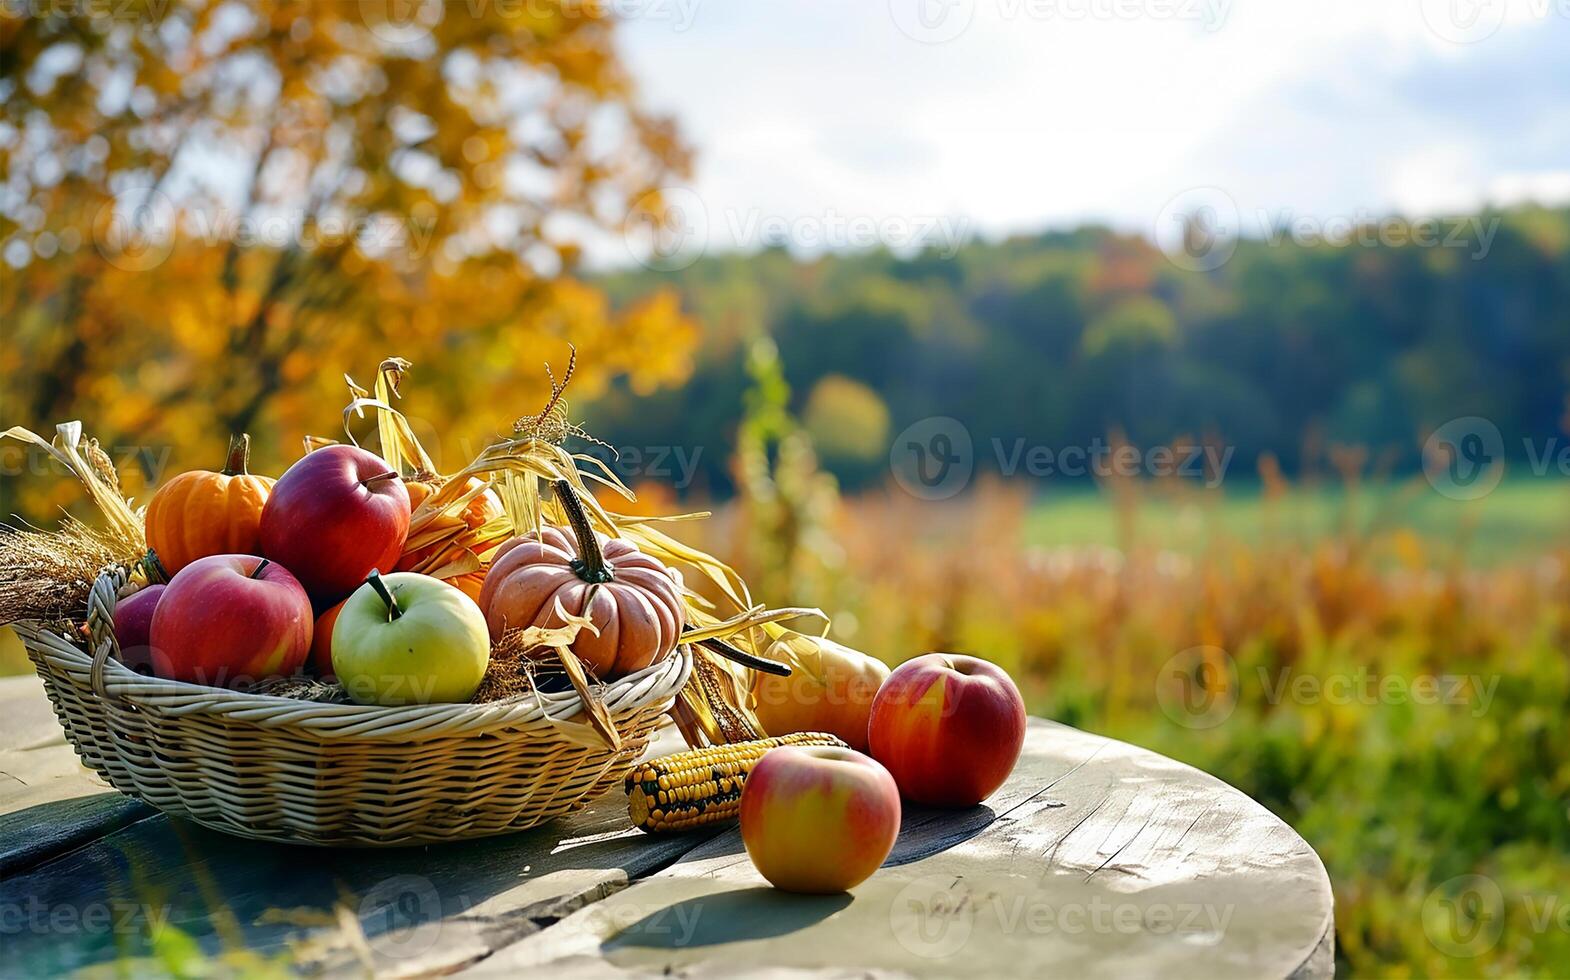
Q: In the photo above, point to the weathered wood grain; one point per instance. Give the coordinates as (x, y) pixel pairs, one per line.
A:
(1096, 858)
(1100, 859)
(36, 764)
(403, 911)
(49, 802)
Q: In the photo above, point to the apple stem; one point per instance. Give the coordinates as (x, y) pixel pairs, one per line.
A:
(366, 483)
(239, 455)
(257, 571)
(375, 580)
(590, 563)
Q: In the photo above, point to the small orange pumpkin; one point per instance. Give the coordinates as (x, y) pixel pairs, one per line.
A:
(632, 599)
(321, 659)
(202, 513)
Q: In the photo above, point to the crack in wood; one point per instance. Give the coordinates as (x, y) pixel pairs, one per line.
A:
(1121, 849)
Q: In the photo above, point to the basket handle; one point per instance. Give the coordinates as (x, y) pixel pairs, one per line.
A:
(100, 623)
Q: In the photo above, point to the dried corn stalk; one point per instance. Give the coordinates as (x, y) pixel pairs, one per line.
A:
(47, 574)
(451, 543)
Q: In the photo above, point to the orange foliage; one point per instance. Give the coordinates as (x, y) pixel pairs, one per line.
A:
(224, 206)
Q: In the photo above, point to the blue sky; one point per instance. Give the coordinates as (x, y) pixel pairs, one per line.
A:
(1014, 115)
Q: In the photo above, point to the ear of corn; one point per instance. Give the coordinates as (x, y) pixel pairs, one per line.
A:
(703, 786)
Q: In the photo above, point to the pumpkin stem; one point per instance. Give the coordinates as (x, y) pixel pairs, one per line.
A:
(590, 563)
(239, 455)
(257, 571)
(154, 567)
(380, 587)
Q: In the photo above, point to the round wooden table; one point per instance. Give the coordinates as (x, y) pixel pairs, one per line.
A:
(1096, 859)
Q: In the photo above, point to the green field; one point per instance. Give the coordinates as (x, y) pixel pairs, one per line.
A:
(1521, 517)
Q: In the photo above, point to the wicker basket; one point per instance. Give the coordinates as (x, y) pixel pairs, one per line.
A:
(281, 769)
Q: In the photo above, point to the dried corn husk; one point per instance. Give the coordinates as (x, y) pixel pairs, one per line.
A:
(453, 545)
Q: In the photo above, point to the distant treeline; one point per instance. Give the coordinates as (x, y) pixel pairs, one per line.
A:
(1064, 339)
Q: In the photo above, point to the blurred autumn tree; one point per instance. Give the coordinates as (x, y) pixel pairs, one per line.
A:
(213, 210)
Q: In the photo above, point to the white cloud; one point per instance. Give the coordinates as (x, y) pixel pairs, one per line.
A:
(1048, 112)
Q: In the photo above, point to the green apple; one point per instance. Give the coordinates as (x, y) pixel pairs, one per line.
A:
(407, 638)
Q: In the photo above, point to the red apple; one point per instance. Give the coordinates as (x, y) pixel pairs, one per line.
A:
(949, 728)
(818, 819)
(133, 626)
(228, 620)
(334, 516)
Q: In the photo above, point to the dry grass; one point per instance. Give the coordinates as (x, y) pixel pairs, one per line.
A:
(47, 574)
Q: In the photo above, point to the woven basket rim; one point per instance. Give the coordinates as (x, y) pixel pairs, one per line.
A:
(660, 681)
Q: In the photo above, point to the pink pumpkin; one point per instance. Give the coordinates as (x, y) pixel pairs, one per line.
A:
(636, 602)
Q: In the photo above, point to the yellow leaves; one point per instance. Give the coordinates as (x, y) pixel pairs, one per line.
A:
(260, 301)
(660, 338)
